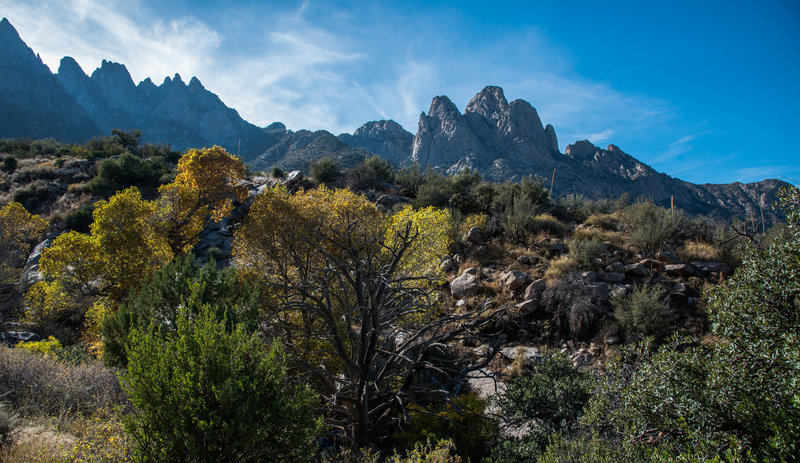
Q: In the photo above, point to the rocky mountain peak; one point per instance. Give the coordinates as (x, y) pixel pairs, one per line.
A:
(442, 107)
(583, 149)
(385, 138)
(490, 100)
(70, 69)
(195, 84)
(112, 77)
(10, 42)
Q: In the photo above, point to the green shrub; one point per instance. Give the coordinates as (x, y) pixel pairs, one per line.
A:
(183, 283)
(277, 172)
(584, 252)
(128, 170)
(643, 312)
(651, 227)
(461, 421)
(546, 223)
(206, 393)
(442, 451)
(10, 164)
(32, 194)
(80, 219)
(325, 170)
(607, 222)
(369, 173)
(548, 398)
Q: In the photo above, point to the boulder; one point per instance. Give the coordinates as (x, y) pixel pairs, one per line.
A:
(448, 264)
(613, 277)
(389, 201)
(528, 307)
(30, 274)
(515, 280)
(616, 267)
(535, 290)
(464, 285)
(653, 264)
(668, 257)
(293, 177)
(637, 269)
(589, 275)
(11, 338)
(471, 271)
(718, 267)
(474, 236)
(684, 270)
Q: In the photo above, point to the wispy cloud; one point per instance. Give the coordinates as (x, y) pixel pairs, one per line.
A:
(92, 30)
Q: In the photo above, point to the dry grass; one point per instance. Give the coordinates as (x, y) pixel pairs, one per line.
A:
(37, 385)
(611, 237)
(608, 222)
(560, 268)
(696, 251)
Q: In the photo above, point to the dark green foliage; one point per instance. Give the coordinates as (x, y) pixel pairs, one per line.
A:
(182, 283)
(549, 397)
(10, 164)
(128, 140)
(208, 393)
(460, 420)
(410, 178)
(277, 172)
(80, 219)
(370, 173)
(325, 170)
(128, 170)
(643, 312)
(32, 194)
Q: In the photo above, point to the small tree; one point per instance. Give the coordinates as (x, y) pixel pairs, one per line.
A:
(181, 284)
(352, 295)
(206, 394)
(18, 231)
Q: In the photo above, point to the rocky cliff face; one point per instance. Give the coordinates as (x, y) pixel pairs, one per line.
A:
(174, 113)
(492, 136)
(296, 150)
(32, 103)
(387, 139)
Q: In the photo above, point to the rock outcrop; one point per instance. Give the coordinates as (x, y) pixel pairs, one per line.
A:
(387, 139)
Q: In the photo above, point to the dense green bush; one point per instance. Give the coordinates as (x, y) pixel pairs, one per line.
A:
(548, 398)
(643, 312)
(209, 394)
(182, 284)
(10, 164)
(278, 173)
(128, 170)
(651, 227)
(325, 170)
(370, 173)
(80, 219)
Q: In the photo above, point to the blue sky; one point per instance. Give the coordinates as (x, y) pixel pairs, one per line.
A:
(704, 91)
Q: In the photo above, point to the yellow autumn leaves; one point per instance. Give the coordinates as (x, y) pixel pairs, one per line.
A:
(131, 238)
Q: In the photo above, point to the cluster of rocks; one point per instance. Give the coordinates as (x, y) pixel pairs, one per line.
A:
(615, 274)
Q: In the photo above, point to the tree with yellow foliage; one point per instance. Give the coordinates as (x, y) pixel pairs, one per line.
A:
(351, 293)
(18, 232)
(205, 186)
(130, 238)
